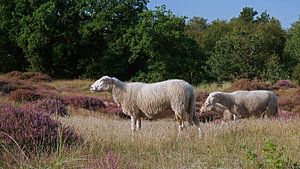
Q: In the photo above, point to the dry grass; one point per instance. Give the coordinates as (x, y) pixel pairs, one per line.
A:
(78, 86)
(211, 87)
(156, 145)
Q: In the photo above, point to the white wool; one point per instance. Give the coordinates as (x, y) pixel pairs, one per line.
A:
(137, 99)
(244, 103)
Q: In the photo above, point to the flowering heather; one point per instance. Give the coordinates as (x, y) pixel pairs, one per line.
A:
(24, 95)
(285, 103)
(32, 131)
(30, 76)
(247, 84)
(8, 85)
(287, 115)
(48, 92)
(284, 84)
(113, 109)
(84, 102)
(48, 106)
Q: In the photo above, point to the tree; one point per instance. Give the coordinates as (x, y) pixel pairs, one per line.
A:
(160, 44)
(104, 35)
(237, 56)
(247, 14)
(11, 55)
(292, 50)
(251, 48)
(67, 38)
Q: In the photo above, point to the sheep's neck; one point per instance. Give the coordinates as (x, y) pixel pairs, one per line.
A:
(227, 101)
(117, 93)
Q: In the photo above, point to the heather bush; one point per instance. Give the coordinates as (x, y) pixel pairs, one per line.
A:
(287, 115)
(48, 106)
(284, 84)
(46, 92)
(291, 103)
(285, 103)
(8, 85)
(30, 76)
(111, 108)
(32, 131)
(24, 95)
(296, 109)
(247, 84)
(84, 102)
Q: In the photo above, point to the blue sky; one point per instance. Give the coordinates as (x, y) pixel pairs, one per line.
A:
(286, 11)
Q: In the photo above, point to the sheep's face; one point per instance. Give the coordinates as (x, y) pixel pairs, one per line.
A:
(210, 103)
(103, 84)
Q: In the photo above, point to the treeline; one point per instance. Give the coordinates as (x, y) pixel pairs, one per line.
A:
(122, 38)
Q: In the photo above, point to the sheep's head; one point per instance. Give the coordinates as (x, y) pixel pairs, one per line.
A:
(103, 84)
(211, 102)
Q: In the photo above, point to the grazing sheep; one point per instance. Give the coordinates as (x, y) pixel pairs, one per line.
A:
(138, 99)
(243, 103)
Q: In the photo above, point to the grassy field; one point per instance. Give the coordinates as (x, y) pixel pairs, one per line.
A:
(222, 146)
(107, 142)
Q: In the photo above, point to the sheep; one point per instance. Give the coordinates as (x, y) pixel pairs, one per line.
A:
(243, 103)
(142, 99)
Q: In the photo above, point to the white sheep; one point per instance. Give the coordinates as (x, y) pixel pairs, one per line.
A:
(243, 103)
(138, 99)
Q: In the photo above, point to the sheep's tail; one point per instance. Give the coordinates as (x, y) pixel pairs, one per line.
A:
(273, 107)
(192, 110)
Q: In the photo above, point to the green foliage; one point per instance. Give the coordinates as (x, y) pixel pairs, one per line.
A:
(296, 73)
(160, 44)
(292, 50)
(272, 157)
(237, 56)
(105, 35)
(11, 55)
(122, 38)
(274, 70)
(247, 14)
(251, 157)
(250, 48)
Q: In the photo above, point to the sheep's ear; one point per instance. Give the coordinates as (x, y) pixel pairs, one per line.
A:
(107, 79)
(216, 95)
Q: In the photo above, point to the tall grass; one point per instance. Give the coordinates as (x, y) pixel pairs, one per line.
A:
(62, 157)
(156, 145)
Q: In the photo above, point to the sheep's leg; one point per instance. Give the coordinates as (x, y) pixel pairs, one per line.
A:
(197, 123)
(133, 124)
(181, 125)
(139, 123)
(235, 118)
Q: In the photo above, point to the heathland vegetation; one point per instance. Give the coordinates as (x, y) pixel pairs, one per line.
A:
(59, 124)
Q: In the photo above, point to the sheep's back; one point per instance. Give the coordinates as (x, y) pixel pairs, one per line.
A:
(255, 101)
(156, 97)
